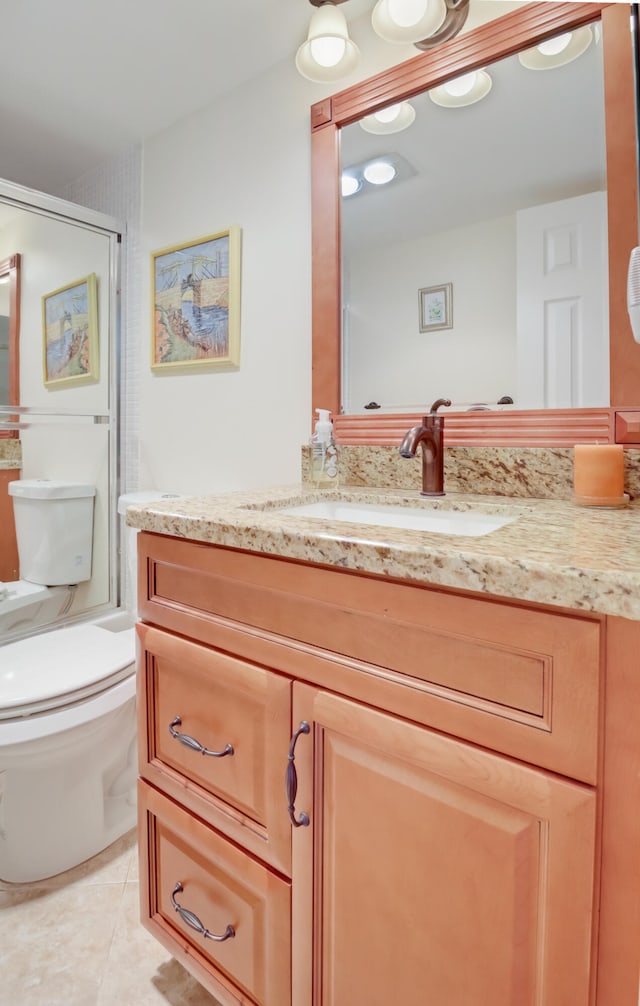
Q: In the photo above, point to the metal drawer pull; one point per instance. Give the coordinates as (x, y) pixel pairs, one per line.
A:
(292, 779)
(191, 742)
(193, 920)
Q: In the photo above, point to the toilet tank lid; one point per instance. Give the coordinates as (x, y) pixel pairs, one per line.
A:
(50, 489)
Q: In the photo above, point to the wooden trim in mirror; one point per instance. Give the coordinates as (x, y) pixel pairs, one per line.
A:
(499, 38)
(10, 268)
(534, 428)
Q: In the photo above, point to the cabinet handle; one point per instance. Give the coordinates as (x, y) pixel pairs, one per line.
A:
(191, 742)
(292, 779)
(193, 920)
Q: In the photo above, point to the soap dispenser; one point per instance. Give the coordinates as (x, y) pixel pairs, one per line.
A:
(324, 454)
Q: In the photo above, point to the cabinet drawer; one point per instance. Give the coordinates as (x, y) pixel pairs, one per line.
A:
(183, 862)
(520, 680)
(214, 734)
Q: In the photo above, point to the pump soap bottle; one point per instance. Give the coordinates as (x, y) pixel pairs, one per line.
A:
(324, 454)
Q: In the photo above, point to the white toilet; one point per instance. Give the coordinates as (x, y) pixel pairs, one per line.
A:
(54, 531)
(68, 759)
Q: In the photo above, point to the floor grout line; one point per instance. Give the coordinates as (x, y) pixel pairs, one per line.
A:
(97, 952)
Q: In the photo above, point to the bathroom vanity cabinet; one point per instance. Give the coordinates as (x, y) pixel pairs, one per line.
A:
(456, 822)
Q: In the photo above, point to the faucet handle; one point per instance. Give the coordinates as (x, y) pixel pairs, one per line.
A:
(436, 405)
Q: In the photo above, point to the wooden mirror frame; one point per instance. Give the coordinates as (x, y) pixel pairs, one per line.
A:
(10, 268)
(497, 39)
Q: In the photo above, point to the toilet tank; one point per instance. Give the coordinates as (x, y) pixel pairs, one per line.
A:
(54, 530)
(130, 557)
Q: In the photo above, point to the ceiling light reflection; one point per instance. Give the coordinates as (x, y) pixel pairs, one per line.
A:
(379, 172)
(392, 119)
(463, 90)
(557, 51)
(350, 185)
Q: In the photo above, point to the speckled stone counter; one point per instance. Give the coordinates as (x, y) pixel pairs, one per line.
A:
(555, 552)
(9, 465)
(10, 452)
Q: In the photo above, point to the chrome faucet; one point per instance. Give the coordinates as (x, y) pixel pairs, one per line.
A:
(430, 437)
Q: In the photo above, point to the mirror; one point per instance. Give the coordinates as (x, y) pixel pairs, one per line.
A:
(61, 429)
(336, 119)
(4, 343)
(440, 266)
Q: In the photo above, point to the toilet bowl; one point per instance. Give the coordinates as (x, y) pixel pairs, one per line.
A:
(68, 760)
(68, 753)
(25, 605)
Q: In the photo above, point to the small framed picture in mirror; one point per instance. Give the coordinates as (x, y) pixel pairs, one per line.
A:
(436, 307)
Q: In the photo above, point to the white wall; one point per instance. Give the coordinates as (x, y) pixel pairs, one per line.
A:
(391, 362)
(243, 159)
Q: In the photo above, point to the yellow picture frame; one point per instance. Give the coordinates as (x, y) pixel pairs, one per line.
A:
(195, 304)
(70, 349)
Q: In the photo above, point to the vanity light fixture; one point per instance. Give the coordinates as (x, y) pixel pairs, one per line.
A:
(392, 119)
(329, 53)
(557, 51)
(407, 20)
(464, 90)
(424, 22)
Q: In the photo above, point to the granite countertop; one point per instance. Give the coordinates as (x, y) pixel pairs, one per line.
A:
(6, 463)
(555, 552)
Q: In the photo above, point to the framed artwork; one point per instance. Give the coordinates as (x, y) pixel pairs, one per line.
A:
(70, 334)
(196, 303)
(436, 307)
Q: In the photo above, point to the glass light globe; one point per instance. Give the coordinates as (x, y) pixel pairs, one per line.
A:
(406, 13)
(328, 53)
(328, 50)
(405, 21)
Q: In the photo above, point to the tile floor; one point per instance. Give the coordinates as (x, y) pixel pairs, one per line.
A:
(75, 940)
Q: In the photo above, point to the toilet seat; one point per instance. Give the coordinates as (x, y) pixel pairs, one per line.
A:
(54, 670)
(17, 594)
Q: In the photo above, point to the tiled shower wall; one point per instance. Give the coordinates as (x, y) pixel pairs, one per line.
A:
(114, 188)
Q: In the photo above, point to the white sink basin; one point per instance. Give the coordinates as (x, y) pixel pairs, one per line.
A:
(441, 521)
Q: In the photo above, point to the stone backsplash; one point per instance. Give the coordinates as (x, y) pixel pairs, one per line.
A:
(540, 472)
(10, 449)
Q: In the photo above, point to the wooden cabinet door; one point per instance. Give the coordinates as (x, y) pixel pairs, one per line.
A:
(433, 871)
